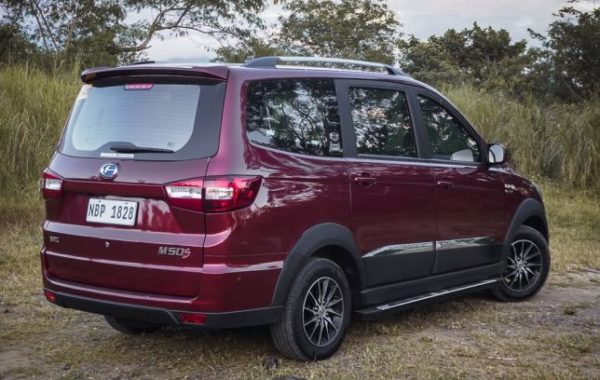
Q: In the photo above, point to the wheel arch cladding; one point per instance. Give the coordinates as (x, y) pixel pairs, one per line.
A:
(538, 223)
(328, 240)
(530, 213)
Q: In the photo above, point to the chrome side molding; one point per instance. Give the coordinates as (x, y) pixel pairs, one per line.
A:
(443, 245)
(401, 249)
(429, 246)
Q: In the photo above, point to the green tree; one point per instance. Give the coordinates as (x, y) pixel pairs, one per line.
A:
(98, 31)
(248, 47)
(14, 46)
(569, 65)
(358, 29)
(482, 56)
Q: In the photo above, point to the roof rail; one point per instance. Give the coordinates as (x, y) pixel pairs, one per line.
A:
(275, 61)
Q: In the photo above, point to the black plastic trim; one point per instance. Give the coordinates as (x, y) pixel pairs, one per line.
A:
(315, 238)
(388, 269)
(242, 318)
(452, 259)
(377, 311)
(407, 289)
(528, 208)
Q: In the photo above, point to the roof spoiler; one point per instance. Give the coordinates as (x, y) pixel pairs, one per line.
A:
(218, 72)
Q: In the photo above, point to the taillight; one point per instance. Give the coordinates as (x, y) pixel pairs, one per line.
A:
(51, 185)
(214, 194)
(186, 194)
(226, 194)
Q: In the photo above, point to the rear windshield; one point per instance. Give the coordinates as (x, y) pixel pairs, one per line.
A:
(145, 120)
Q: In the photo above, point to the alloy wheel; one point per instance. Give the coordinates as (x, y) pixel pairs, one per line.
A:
(524, 265)
(322, 311)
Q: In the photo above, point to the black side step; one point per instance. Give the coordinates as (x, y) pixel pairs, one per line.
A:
(376, 311)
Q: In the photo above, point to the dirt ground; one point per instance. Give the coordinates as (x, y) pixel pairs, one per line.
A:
(554, 335)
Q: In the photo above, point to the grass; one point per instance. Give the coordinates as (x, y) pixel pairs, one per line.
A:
(34, 107)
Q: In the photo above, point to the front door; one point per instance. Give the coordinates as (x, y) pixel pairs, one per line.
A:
(470, 195)
(392, 191)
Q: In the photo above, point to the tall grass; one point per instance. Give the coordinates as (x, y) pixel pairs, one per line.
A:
(561, 142)
(33, 107)
(557, 141)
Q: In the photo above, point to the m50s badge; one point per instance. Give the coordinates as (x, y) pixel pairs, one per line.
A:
(180, 252)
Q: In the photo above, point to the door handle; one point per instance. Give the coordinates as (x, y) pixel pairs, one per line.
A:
(364, 180)
(445, 184)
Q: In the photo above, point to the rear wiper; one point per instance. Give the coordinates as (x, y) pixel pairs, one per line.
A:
(138, 149)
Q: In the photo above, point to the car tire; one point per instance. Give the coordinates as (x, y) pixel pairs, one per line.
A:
(131, 327)
(527, 266)
(316, 314)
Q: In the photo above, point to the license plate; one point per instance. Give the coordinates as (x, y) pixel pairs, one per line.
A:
(110, 211)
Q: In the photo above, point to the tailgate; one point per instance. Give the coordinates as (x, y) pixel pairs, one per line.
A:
(160, 254)
(110, 222)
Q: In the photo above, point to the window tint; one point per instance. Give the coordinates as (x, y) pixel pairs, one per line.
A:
(382, 122)
(448, 137)
(154, 116)
(159, 117)
(295, 115)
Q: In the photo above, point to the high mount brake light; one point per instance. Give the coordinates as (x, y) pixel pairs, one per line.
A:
(215, 194)
(139, 86)
(50, 185)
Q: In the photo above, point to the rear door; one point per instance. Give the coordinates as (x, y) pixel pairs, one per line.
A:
(470, 195)
(133, 151)
(392, 192)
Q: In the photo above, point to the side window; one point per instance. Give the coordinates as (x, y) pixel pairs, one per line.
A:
(448, 137)
(381, 121)
(295, 115)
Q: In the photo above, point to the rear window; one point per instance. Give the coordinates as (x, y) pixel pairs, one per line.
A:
(145, 120)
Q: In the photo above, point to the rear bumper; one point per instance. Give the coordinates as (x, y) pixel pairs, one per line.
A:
(242, 318)
(222, 288)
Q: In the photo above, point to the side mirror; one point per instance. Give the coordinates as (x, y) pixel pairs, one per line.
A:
(496, 154)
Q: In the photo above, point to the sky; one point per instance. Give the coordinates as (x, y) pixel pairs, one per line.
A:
(421, 18)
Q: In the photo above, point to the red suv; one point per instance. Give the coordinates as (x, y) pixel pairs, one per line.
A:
(289, 192)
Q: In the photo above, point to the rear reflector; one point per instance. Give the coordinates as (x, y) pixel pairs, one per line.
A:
(50, 296)
(193, 319)
(214, 194)
(50, 185)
